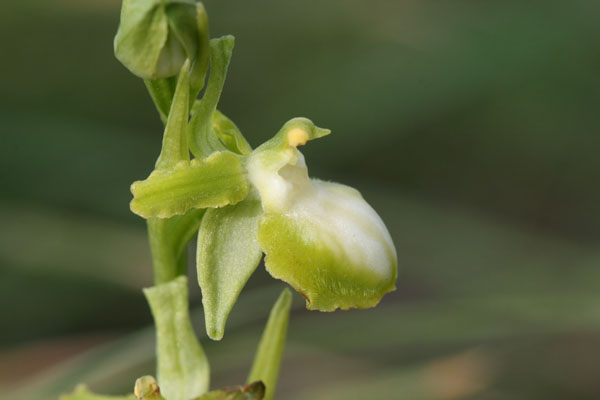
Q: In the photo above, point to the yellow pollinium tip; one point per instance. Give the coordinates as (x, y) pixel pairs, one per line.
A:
(297, 137)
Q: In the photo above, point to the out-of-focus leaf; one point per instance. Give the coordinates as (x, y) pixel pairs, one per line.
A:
(216, 181)
(82, 393)
(270, 349)
(182, 368)
(252, 391)
(228, 253)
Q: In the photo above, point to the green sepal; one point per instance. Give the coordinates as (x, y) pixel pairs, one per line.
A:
(81, 392)
(216, 181)
(203, 140)
(174, 145)
(228, 253)
(182, 367)
(156, 36)
(252, 391)
(267, 360)
(168, 239)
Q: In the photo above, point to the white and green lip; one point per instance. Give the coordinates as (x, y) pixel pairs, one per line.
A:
(322, 238)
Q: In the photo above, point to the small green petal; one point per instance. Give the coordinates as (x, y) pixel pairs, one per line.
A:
(228, 253)
(268, 356)
(203, 140)
(182, 367)
(216, 181)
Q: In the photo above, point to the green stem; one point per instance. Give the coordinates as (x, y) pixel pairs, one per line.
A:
(164, 263)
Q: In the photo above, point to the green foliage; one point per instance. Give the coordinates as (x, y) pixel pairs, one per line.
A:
(203, 135)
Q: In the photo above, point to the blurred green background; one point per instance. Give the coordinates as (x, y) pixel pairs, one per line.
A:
(471, 126)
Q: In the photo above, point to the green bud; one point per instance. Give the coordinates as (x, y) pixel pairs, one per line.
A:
(146, 388)
(322, 238)
(155, 37)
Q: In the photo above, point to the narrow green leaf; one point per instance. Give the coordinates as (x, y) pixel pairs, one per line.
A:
(203, 141)
(182, 370)
(214, 182)
(270, 350)
(162, 92)
(252, 391)
(228, 253)
(229, 134)
(174, 145)
(81, 392)
(168, 240)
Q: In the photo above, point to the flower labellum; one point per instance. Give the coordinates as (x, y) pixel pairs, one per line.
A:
(321, 237)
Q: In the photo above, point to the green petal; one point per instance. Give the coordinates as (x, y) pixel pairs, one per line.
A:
(82, 393)
(203, 140)
(182, 370)
(228, 253)
(266, 363)
(214, 182)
